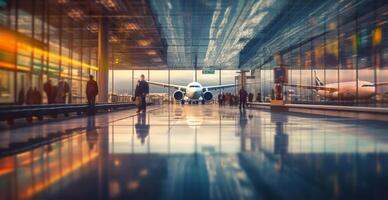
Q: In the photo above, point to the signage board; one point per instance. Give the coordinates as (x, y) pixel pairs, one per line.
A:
(208, 71)
(280, 75)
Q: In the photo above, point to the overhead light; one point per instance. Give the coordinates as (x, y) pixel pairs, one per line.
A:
(130, 26)
(151, 52)
(76, 14)
(113, 39)
(93, 27)
(144, 43)
(117, 60)
(108, 3)
(62, 1)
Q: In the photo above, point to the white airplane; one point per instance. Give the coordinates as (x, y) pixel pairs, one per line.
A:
(194, 92)
(342, 90)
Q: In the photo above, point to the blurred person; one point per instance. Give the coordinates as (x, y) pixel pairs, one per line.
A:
(236, 100)
(243, 98)
(258, 97)
(48, 89)
(141, 91)
(250, 97)
(54, 92)
(91, 93)
(220, 100)
(63, 91)
(37, 96)
(231, 99)
(22, 96)
(223, 99)
(226, 98)
(60, 96)
(29, 96)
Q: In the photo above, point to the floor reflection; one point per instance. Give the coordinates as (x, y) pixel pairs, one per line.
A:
(206, 152)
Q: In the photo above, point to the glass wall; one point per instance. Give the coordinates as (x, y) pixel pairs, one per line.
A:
(37, 44)
(345, 65)
(123, 85)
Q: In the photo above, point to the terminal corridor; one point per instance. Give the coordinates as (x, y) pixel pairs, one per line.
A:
(196, 152)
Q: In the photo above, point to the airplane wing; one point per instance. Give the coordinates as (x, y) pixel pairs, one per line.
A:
(375, 84)
(217, 87)
(177, 87)
(331, 89)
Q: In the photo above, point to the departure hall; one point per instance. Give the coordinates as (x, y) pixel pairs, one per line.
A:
(193, 99)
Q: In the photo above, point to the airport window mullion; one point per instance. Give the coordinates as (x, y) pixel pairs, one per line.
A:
(71, 63)
(8, 14)
(47, 12)
(300, 70)
(133, 83)
(60, 42)
(376, 51)
(43, 40)
(33, 37)
(356, 56)
(113, 76)
(16, 4)
(324, 56)
(81, 60)
(339, 54)
(312, 63)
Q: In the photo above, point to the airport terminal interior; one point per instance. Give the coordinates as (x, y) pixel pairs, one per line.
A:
(193, 99)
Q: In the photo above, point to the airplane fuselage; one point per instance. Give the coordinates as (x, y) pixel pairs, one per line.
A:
(194, 91)
(348, 90)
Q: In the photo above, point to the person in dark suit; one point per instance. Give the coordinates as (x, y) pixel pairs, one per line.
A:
(91, 93)
(243, 97)
(141, 91)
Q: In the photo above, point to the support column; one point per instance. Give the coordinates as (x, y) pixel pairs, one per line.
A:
(103, 57)
(243, 79)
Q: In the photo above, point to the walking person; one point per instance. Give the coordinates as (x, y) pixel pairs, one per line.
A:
(141, 91)
(220, 100)
(243, 97)
(91, 93)
(48, 89)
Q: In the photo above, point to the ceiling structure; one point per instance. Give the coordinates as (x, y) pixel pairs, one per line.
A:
(161, 34)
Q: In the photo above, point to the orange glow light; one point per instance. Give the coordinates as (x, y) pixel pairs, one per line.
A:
(377, 36)
(151, 53)
(144, 43)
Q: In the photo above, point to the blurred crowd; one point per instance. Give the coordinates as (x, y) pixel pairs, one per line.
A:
(54, 93)
(234, 100)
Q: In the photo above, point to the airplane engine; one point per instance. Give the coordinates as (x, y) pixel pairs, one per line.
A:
(178, 95)
(207, 96)
(334, 95)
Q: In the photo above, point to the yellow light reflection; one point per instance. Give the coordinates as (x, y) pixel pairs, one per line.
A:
(38, 187)
(53, 56)
(10, 44)
(144, 43)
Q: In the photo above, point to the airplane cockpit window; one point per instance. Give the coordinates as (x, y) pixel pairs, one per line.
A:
(194, 86)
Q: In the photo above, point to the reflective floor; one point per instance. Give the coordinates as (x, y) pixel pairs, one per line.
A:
(196, 152)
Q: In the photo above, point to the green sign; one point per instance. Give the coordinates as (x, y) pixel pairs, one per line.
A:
(57, 68)
(208, 71)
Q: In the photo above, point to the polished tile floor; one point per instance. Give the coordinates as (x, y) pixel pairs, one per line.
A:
(196, 152)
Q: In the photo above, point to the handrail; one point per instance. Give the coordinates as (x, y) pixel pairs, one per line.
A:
(380, 110)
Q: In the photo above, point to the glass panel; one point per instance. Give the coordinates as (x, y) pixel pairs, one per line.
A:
(7, 86)
(366, 65)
